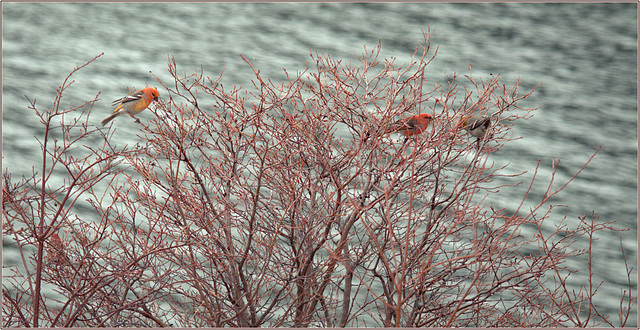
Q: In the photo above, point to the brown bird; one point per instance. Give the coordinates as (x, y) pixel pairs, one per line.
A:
(476, 125)
(411, 125)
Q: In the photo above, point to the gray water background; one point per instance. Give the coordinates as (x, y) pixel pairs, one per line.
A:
(584, 54)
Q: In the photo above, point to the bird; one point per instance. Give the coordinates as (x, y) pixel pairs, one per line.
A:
(133, 103)
(477, 126)
(411, 125)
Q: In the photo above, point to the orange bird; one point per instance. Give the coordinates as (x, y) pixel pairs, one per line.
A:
(411, 125)
(133, 103)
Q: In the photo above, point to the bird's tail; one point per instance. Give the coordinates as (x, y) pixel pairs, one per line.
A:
(108, 119)
(394, 127)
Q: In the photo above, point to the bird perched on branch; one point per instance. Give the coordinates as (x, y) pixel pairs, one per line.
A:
(133, 103)
(476, 125)
(411, 125)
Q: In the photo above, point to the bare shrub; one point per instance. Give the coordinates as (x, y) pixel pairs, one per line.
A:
(284, 204)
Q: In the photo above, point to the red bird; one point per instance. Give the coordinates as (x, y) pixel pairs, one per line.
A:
(411, 125)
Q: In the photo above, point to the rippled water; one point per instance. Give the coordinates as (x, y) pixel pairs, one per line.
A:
(584, 54)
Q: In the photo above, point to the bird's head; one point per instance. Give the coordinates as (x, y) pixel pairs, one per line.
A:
(462, 123)
(155, 94)
(426, 116)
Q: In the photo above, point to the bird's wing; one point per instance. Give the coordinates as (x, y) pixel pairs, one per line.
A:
(482, 121)
(131, 97)
(407, 124)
